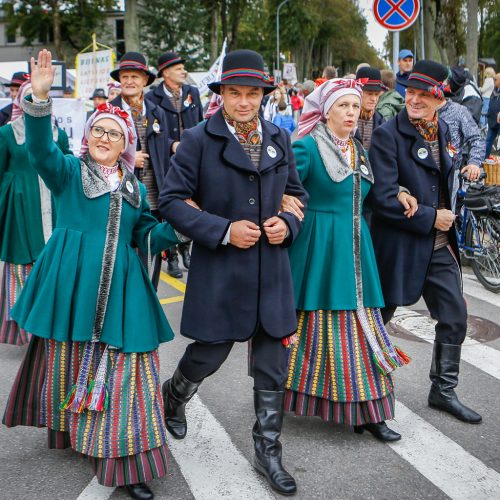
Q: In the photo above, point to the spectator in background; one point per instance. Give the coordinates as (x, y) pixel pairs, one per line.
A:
(486, 90)
(329, 72)
(68, 92)
(405, 64)
(114, 90)
(307, 87)
(271, 108)
(362, 65)
(17, 80)
(296, 103)
(98, 97)
(391, 102)
(283, 119)
(465, 91)
(493, 116)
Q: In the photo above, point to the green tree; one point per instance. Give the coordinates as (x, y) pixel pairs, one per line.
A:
(69, 23)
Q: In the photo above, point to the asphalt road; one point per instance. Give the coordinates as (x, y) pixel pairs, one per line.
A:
(438, 457)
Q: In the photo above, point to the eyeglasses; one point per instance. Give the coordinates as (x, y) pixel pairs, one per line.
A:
(113, 135)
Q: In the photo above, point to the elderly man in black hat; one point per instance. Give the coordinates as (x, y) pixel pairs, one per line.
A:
(182, 105)
(369, 118)
(98, 97)
(17, 80)
(236, 167)
(153, 137)
(418, 256)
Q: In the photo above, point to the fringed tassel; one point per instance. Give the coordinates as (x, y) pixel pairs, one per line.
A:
(403, 357)
(383, 364)
(77, 397)
(289, 341)
(97, 398)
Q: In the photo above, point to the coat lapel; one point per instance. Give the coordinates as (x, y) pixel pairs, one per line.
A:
(272, 150)
(446, 159)
(232, 152)
(419, 151)
(165, 102)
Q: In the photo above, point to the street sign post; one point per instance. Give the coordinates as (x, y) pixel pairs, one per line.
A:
(395, 16)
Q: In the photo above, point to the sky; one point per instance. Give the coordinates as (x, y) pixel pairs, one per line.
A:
(376, 34)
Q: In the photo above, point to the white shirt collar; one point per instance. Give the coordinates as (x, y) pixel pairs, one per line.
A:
(126, 107)
(169, 94)
(233, 130)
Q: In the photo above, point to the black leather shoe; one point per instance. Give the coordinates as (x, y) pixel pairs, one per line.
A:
(177, 391)
(173, 267)
(186, 256)
(140, 491)
(444, 376)
(266, 433)
(378, 430)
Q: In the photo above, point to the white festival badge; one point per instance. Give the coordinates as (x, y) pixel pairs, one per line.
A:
(422, 153)
(271, 152)
(129, 186)
(364, 169)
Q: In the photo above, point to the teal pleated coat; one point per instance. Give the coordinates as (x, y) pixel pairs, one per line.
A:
(59, 298)
(21, 233)
(322, 256)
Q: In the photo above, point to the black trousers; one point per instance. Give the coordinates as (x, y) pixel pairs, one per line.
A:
(443, 297)
(155, 259)
(268, 364)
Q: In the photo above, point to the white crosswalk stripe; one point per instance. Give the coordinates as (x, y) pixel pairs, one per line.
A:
(480, 355)
(473, 288)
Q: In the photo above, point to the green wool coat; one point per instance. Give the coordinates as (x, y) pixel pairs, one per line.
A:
(21, 233)
(59, 298)
(322, 256)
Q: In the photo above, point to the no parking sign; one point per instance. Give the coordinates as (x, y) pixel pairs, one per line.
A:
(396, 15)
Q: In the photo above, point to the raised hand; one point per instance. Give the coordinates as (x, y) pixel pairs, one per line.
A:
(42, 74)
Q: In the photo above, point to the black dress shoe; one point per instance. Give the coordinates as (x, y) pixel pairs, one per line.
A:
(173, 268)
(140, 491)
(378, 430)
(186, 256)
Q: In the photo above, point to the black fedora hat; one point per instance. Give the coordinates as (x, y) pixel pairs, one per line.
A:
(243, 67)
(374, 77)
(99, 93)
(18, 78)
(427, 75)
(133, 60)
(168, 59)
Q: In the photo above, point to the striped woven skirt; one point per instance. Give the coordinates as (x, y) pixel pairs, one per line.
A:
(13, 277)
(332, 372)
(126, 443)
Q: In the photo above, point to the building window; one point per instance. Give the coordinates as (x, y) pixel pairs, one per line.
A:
(120, 29)
(11, 37)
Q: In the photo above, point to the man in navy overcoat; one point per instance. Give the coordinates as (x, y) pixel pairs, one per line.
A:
(236, 167)
(418, 256)
(153, 138)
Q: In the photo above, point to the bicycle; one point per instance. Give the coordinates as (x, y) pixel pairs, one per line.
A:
(478, 235)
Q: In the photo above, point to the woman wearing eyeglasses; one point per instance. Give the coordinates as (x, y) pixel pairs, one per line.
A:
(89, 304)
(25, 214)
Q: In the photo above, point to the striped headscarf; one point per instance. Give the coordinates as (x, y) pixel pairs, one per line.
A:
(322, 98)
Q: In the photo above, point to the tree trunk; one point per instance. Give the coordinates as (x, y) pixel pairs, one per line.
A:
(223, 18)
(214, 33)
(472, 36)
(56, 16)
(429, 18)
(132, 42)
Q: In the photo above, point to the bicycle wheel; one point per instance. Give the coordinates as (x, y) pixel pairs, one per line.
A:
(483, 234)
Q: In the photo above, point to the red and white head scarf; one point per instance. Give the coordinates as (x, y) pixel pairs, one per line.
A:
(318, 102)
(17, 109)
(122, 118)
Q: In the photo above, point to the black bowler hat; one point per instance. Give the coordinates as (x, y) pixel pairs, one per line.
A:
(133, 60)
(18, 78)
(99, 93)
(427, 75)
(243, 67)
(457, 80)
(374, 82)
(169, 59)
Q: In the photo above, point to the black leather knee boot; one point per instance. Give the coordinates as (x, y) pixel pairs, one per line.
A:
(177, 391)
(266, 433)
(444, 376)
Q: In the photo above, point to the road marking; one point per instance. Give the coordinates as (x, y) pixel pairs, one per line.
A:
(172, 300)
(95, 491)
(211, 464)
(445, 463)
(473, 288)
(476, 353)
(173, 282)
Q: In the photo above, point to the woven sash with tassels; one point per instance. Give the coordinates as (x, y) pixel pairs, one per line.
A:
(95, 396)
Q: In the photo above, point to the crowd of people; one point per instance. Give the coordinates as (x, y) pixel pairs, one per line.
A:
(313, 212)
